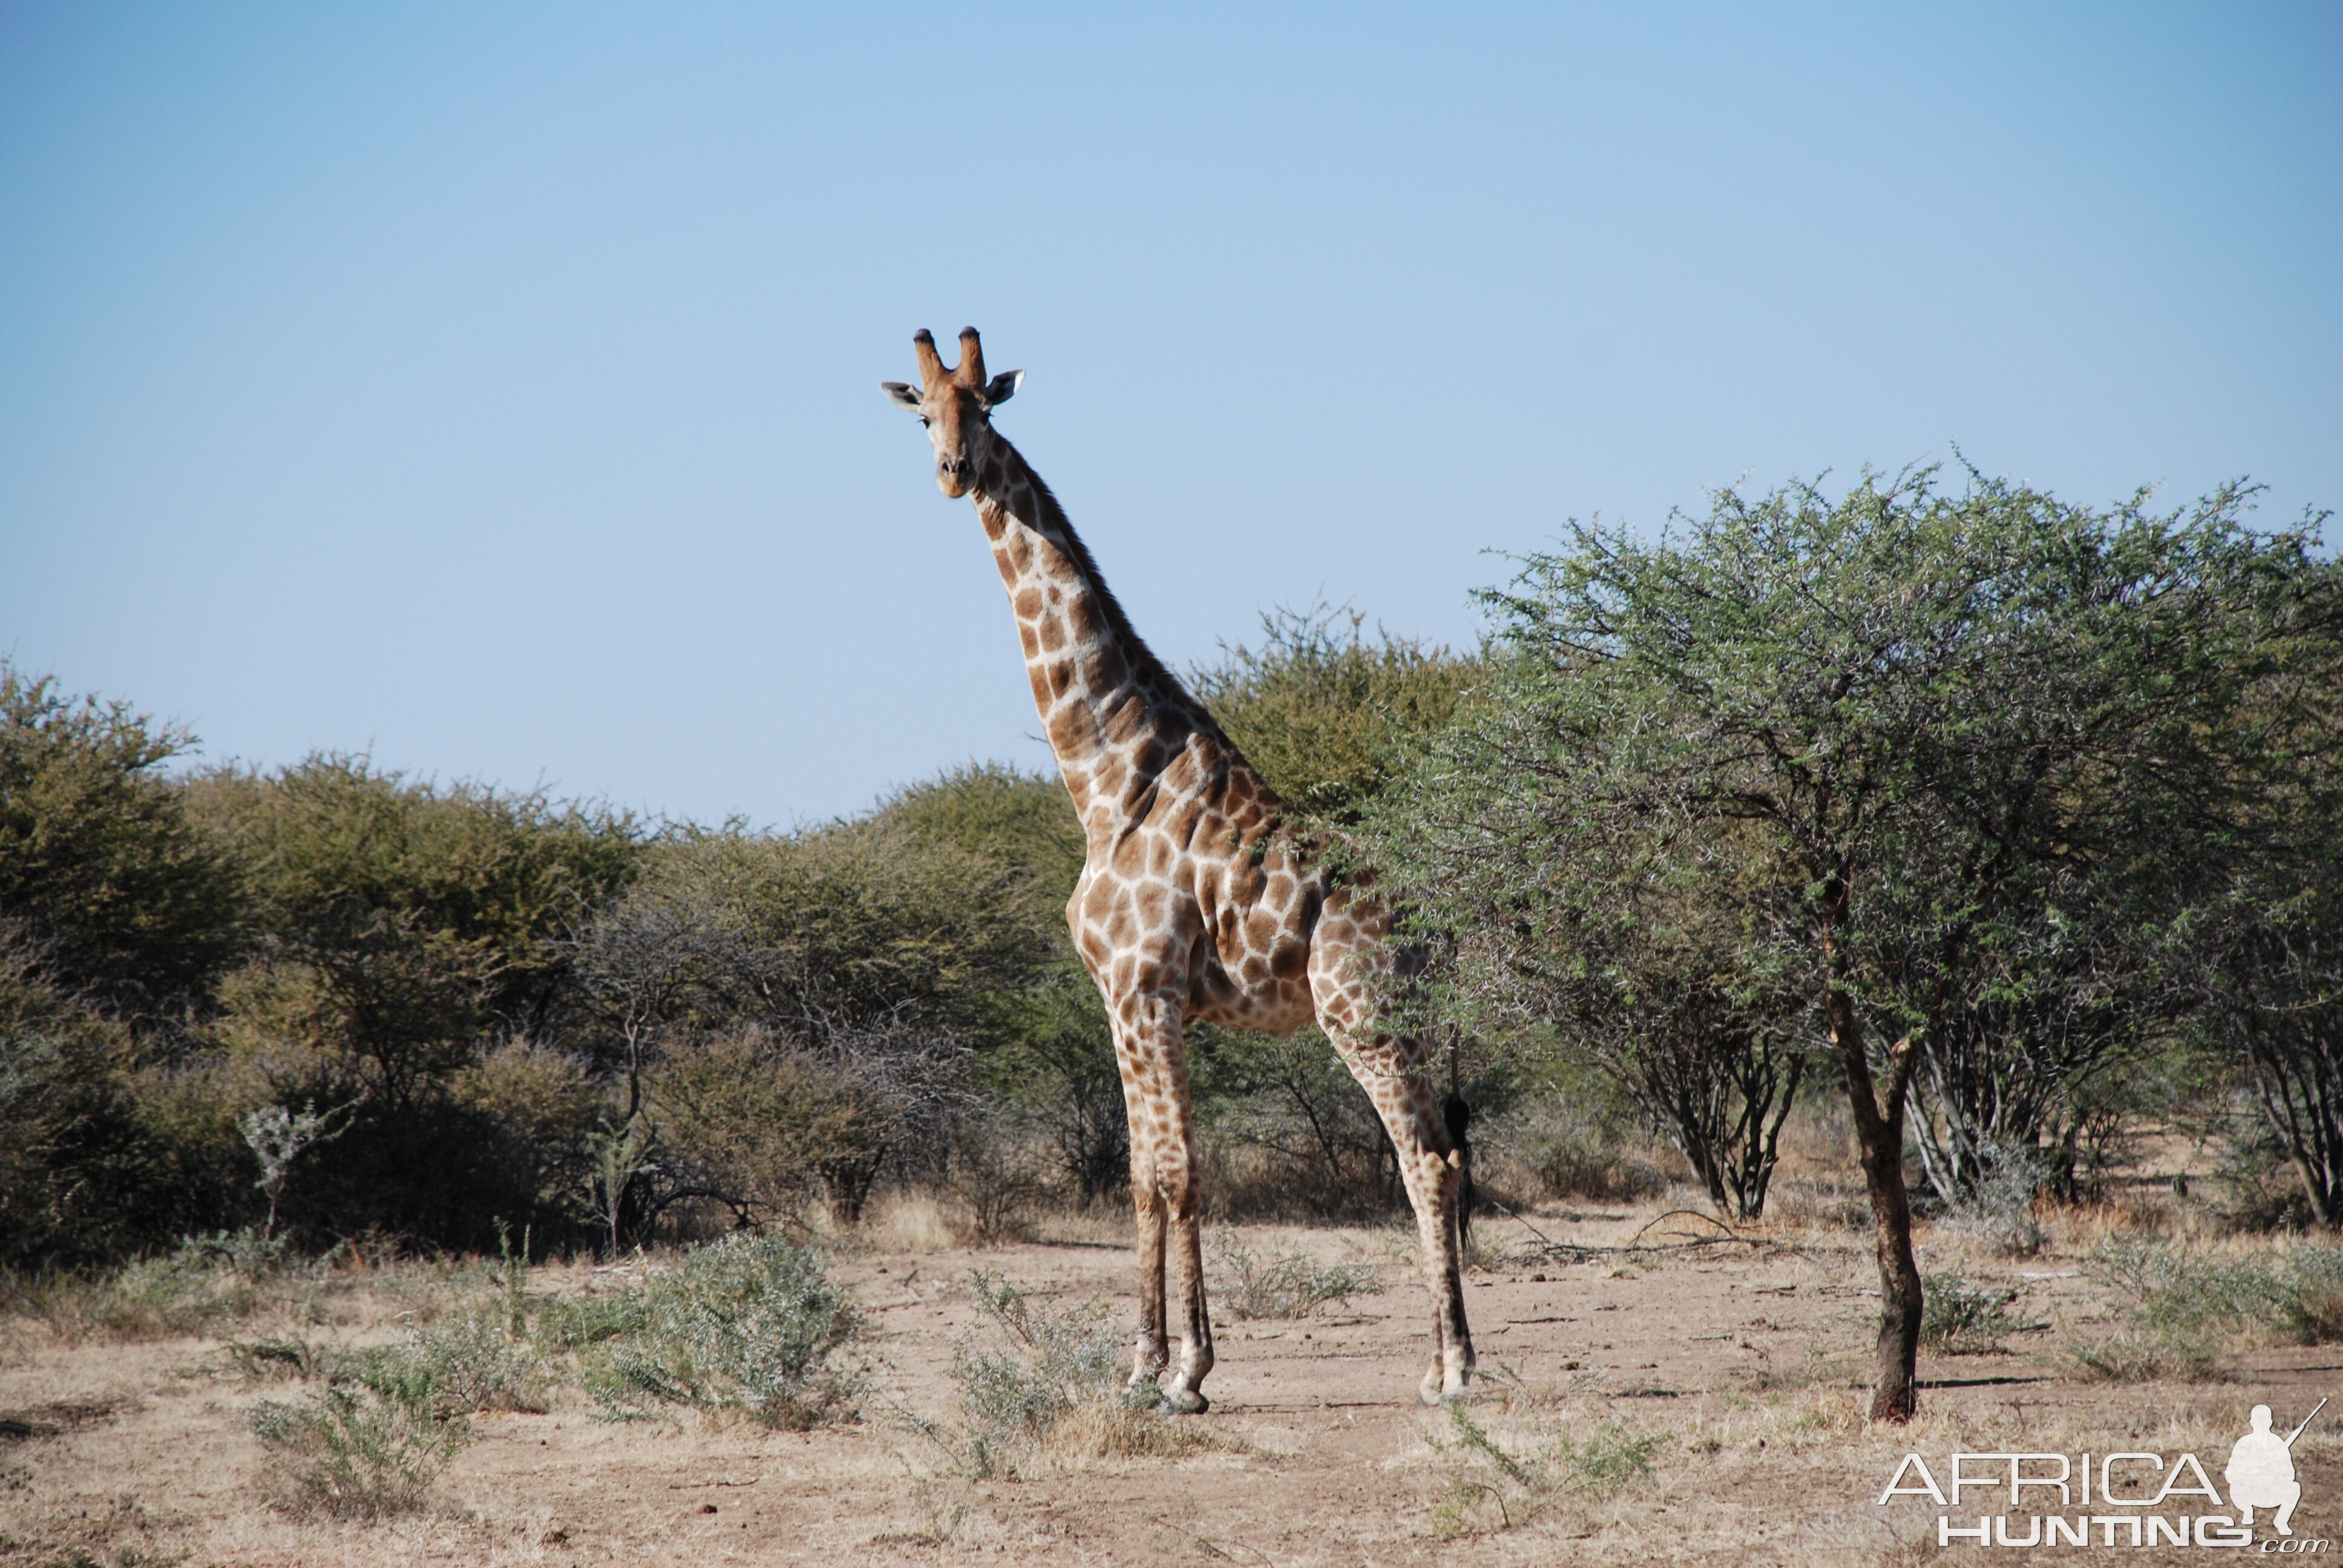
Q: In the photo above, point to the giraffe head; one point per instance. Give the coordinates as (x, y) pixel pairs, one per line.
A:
(956, 406)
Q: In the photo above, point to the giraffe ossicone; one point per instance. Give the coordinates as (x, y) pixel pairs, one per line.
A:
(1189, 905)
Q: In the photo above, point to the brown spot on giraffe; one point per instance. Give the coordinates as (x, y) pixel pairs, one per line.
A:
(1183, 911)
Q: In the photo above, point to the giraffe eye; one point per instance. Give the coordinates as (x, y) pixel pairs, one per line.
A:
(923, 421)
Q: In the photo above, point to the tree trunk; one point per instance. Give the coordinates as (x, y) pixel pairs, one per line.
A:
(1879, 1133)
(1763, 1150)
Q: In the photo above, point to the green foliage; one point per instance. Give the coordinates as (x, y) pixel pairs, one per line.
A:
(364, 1448)
(747, 1324)
(2272, 969)
(475, 1362)
(2047, 794)
(1282, 1283)
(1046, 1047)
(1890, 748)
(75, 1172)
(1953, 776)
(410, 963)
(854, 921)
(103, 878)
(1021, 821)
(1962, 1319)
(1322, 714)
(405, 920)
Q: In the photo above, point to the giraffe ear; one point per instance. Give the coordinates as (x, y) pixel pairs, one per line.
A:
(898, 392)
(1002, 387)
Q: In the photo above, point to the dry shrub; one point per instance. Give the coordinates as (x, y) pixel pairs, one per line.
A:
(2186, 1310)
(1601, 1176)
(1569, 1152)
(1279, 1283)
(390, 1418)
(1026, 1367)
(1247, 1179)
(757, 1117)
(1961, 1319)
(995, 1180)
(477, 1363)
(746, 1325)
(1042, 1383)
(2150, 1355)
(1492, 1487)
(202, 1283)
(548, 1107)
(1807, 1203)
(364, 1449)
(1099, 1431)
(266, 1359)
(1997, 1207)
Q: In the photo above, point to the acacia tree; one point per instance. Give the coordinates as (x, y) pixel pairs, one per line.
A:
(1634, 942)
(1326, 714)
(1696, 1024)
(1944, 722)
(2272, 975)
(124, 904)
(2278, 1007)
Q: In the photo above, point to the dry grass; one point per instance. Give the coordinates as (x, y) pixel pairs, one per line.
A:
(1699, 1406)
(909, 1222)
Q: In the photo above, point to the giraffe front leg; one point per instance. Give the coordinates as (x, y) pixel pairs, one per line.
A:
(1153, 1352)
(1164, 1187)
(1140, 1056)
(1183, 1390)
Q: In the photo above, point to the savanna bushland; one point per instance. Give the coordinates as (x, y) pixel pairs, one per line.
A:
(1930, 868)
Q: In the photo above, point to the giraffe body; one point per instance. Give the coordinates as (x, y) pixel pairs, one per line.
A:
(1188, 907)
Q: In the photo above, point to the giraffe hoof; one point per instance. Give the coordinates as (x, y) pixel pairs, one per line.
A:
(1185, 1401)
(1439, 1386)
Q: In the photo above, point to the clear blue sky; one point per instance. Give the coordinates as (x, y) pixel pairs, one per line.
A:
(493, 386)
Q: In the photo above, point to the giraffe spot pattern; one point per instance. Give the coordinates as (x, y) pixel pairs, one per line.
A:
(1187, 907)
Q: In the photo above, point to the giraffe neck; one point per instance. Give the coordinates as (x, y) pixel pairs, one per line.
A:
(1108, 704)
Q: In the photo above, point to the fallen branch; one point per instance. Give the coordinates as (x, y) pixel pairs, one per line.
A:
(1693, 1214)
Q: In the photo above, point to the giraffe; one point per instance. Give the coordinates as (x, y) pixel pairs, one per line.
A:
(1189, 906)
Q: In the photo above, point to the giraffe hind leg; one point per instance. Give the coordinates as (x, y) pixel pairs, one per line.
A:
(1392, 1072)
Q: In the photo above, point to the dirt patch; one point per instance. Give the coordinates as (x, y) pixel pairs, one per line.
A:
(1678, 1403)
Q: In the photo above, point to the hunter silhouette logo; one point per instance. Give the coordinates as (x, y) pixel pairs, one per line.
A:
(2261, 1472)
(2129, 1498)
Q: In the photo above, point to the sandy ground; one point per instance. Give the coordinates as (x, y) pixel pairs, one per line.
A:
(1747, 1359)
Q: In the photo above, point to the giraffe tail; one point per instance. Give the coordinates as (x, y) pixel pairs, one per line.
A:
(1459, 1116)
